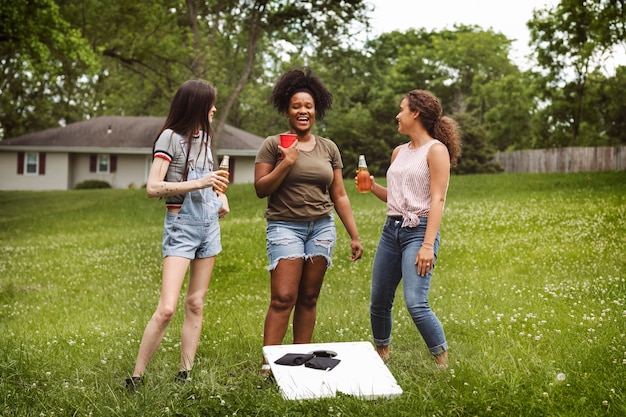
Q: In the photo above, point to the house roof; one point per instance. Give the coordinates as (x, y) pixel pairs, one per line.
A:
(127, 134)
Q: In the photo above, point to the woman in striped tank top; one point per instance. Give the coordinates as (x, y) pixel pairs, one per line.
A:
(417, 182)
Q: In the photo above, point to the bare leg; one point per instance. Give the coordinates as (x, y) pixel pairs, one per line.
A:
(174, 270)
(285, 280)
(199, 278)
(305, 313)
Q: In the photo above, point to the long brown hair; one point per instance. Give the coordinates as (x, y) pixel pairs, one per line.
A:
(443, 128)
(189, 113)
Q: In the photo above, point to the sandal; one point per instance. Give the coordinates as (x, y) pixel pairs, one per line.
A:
(182, 377)
(133, 383)
(266, 370)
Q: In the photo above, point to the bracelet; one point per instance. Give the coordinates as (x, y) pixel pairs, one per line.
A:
(428, 244)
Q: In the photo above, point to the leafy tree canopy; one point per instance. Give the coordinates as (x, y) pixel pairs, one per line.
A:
(67, 60)
(47, 66)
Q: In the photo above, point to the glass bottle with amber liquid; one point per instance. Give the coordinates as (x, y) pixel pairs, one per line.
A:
(225, 166)
(364, 181)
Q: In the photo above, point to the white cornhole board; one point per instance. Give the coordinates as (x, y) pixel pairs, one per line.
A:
(361, 372)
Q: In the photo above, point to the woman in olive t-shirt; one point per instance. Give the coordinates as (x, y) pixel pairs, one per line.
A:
(302, 183)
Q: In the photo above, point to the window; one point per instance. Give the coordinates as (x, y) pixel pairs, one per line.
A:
(32, 163)
(103, 164)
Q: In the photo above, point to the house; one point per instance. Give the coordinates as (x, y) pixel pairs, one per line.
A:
(115, 149)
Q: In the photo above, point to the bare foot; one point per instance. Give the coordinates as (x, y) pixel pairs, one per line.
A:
(383, 352)
(265, 370)
(442, 360)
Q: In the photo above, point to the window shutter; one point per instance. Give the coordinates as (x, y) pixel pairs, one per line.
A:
(42, 163)
(20, 163)
(93, 162)
(113, 167)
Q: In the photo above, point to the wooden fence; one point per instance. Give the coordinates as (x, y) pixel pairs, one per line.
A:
(564, 159)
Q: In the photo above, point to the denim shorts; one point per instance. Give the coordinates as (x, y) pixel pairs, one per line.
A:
(293, 240)
(190, 237)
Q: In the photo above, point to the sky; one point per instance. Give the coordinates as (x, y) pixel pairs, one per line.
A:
(508, 17)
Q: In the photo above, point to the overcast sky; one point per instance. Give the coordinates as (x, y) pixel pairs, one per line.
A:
(508, 17)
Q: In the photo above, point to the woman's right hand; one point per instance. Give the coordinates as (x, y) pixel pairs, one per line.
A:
(290, 154)
(218, 180)
(356, 181)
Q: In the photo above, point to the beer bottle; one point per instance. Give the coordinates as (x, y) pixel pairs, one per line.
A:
(364, 182)
(224, 165)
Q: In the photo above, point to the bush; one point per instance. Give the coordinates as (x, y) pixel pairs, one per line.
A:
(92, 185)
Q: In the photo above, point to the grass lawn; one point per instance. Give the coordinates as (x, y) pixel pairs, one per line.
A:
(530, 287)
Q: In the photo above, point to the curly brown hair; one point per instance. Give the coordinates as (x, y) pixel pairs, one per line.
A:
(296, 81)
(440, 127)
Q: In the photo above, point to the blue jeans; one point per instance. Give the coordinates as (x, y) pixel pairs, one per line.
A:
(395, 261)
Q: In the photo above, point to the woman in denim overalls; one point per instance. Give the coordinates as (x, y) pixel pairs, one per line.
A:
(182, 173)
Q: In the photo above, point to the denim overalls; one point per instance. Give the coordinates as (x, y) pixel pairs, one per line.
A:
(194, 232)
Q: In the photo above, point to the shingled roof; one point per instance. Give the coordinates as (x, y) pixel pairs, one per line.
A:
(135, 134)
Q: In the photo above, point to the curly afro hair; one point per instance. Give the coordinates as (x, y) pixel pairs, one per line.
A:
(296, 81)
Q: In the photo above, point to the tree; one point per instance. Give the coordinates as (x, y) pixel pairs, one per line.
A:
(572, 41)
(46, 68)
(477, 155)
(604, 118)
(510, 106)
(455, 66)
(143, 50)
(150, 47)
(472, 58)
(611, 107)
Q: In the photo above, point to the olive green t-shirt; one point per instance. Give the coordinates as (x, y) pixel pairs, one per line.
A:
(304, 195)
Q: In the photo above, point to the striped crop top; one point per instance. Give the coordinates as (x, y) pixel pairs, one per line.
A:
(408, 184)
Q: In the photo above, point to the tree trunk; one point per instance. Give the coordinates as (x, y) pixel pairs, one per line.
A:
(253, 40)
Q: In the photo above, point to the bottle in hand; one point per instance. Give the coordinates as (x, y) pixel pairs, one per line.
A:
(364, 181)
(224, 166)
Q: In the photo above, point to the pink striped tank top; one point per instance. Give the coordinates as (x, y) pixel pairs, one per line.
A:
(408, 184)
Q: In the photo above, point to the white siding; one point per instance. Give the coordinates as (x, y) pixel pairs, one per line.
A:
(55, 178)
(131, 171)
(64, 171)
(244, 169)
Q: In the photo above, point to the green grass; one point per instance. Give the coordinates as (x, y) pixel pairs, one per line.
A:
(530, 284)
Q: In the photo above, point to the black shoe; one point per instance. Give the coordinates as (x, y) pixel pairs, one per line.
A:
(182, 377)
(133, 383)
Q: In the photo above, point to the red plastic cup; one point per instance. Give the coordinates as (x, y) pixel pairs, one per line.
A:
(286, 139)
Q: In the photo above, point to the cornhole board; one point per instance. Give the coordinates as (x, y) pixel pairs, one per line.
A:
(361, 372)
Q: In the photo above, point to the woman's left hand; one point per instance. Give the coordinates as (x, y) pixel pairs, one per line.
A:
(425, 260)
(225, 209)
(357, 250)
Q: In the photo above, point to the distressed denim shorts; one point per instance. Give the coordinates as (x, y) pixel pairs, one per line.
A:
(293, 240)
(189, 237)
